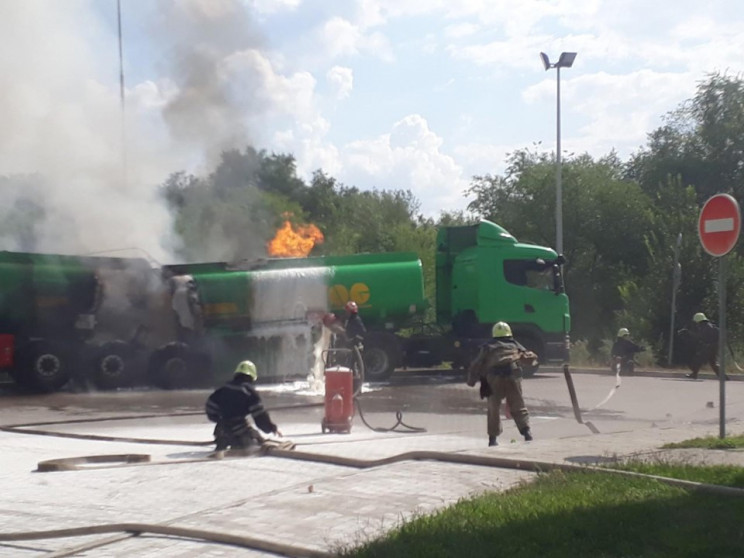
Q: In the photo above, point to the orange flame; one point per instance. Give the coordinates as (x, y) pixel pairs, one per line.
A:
(294, 241)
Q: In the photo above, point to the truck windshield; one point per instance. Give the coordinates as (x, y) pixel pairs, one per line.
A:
(535, 274)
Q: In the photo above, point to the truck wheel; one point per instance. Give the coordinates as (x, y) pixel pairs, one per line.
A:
(112, 365)
(176, 367)
(44, 366)
(381, 356)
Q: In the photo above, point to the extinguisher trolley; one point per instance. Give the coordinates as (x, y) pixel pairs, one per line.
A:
(339, 399)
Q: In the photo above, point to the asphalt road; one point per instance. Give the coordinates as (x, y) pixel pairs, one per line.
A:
(606, 405)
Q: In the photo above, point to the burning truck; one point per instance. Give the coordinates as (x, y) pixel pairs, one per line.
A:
(116, 322)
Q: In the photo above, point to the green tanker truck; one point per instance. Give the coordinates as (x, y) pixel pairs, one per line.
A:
(483, 275)
(116, 322)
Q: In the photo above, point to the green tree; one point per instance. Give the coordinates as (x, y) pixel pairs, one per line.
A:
(702, 142)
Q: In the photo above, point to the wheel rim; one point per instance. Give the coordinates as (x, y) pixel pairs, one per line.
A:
(376, 362)
(48, 365)
(112, 366)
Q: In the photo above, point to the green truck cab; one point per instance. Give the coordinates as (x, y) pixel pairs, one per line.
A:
(484, 275)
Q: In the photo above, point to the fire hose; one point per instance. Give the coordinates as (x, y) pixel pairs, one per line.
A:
(298, 551)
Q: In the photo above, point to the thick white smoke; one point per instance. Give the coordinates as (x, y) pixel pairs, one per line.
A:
(76, 178)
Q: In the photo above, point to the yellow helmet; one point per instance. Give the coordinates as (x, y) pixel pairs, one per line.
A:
(623, 332)
(248, 368)
(699, 317)
(501, 329)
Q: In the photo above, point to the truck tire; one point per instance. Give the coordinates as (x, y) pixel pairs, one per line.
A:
(381, 356)
(112, 366)
(176, 367)
(44, 366)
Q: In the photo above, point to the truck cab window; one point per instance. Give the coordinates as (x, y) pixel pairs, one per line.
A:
(535, 274)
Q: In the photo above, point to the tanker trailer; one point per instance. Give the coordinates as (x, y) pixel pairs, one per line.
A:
(48, 316)
(269, 310)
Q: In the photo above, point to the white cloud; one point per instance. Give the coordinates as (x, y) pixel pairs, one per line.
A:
(268, 7)
(460, 30)
(341, 80)
(408, 158)
(616, 111)
(340, 37)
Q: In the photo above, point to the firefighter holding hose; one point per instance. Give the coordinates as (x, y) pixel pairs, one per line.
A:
(349, 334)
(498, 366)
(228, 407)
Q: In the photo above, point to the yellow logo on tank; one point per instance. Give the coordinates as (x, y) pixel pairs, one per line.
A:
(339, 295)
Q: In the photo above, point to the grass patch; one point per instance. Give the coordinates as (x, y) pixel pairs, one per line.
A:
(722, 475)
(574, 515)
(709, 442)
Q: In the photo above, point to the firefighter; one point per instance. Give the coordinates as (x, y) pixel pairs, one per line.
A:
(498, 366)
(624, 350)
(703, 335)
(228, 407)
(353, 326)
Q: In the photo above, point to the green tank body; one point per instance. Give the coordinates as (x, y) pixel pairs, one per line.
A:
(388, 288)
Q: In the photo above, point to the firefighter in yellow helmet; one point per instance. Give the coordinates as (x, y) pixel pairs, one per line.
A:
(229, 405)
(498, 366)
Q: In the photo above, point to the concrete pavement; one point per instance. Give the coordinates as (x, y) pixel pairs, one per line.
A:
(309, 507)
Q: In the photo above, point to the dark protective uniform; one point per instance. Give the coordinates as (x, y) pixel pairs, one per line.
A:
(355, 330)
(625, 349)
(501, 381)
(229, 405)
(704, 338)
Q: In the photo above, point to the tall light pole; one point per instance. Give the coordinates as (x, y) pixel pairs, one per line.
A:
(121, 96)
(566, 60)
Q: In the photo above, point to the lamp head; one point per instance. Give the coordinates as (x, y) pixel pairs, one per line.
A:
(545, 61)
(566, 60)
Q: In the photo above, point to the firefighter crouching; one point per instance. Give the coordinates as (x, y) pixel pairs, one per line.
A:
(228, 407)
(498, 367)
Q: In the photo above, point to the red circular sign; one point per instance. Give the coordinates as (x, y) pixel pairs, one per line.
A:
(719, 224)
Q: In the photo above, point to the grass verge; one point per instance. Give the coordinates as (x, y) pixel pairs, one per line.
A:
(580, 514)
(709, 442)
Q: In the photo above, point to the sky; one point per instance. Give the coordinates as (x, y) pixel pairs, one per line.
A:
(419, 95)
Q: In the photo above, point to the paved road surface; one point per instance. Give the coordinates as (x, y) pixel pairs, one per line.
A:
(313, 506)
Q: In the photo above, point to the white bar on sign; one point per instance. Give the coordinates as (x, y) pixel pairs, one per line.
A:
(718, 225)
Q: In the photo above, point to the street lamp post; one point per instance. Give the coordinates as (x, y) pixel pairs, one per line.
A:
(566, 60)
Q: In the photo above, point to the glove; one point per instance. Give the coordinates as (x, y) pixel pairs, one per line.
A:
(485, 389)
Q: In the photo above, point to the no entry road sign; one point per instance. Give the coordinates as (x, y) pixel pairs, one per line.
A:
(719, 224)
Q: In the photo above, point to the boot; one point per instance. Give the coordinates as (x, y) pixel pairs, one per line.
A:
(492, 441)
(527, 435)
(691, 375)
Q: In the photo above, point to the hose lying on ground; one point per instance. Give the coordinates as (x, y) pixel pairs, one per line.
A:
(293, 550)
(168, 530)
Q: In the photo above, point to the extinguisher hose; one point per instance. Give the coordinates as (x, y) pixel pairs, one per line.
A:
(399, 425)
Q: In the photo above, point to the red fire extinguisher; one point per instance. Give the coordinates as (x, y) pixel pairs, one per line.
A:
(339, 400)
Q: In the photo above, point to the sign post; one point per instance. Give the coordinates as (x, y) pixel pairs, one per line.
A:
(719, 225)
